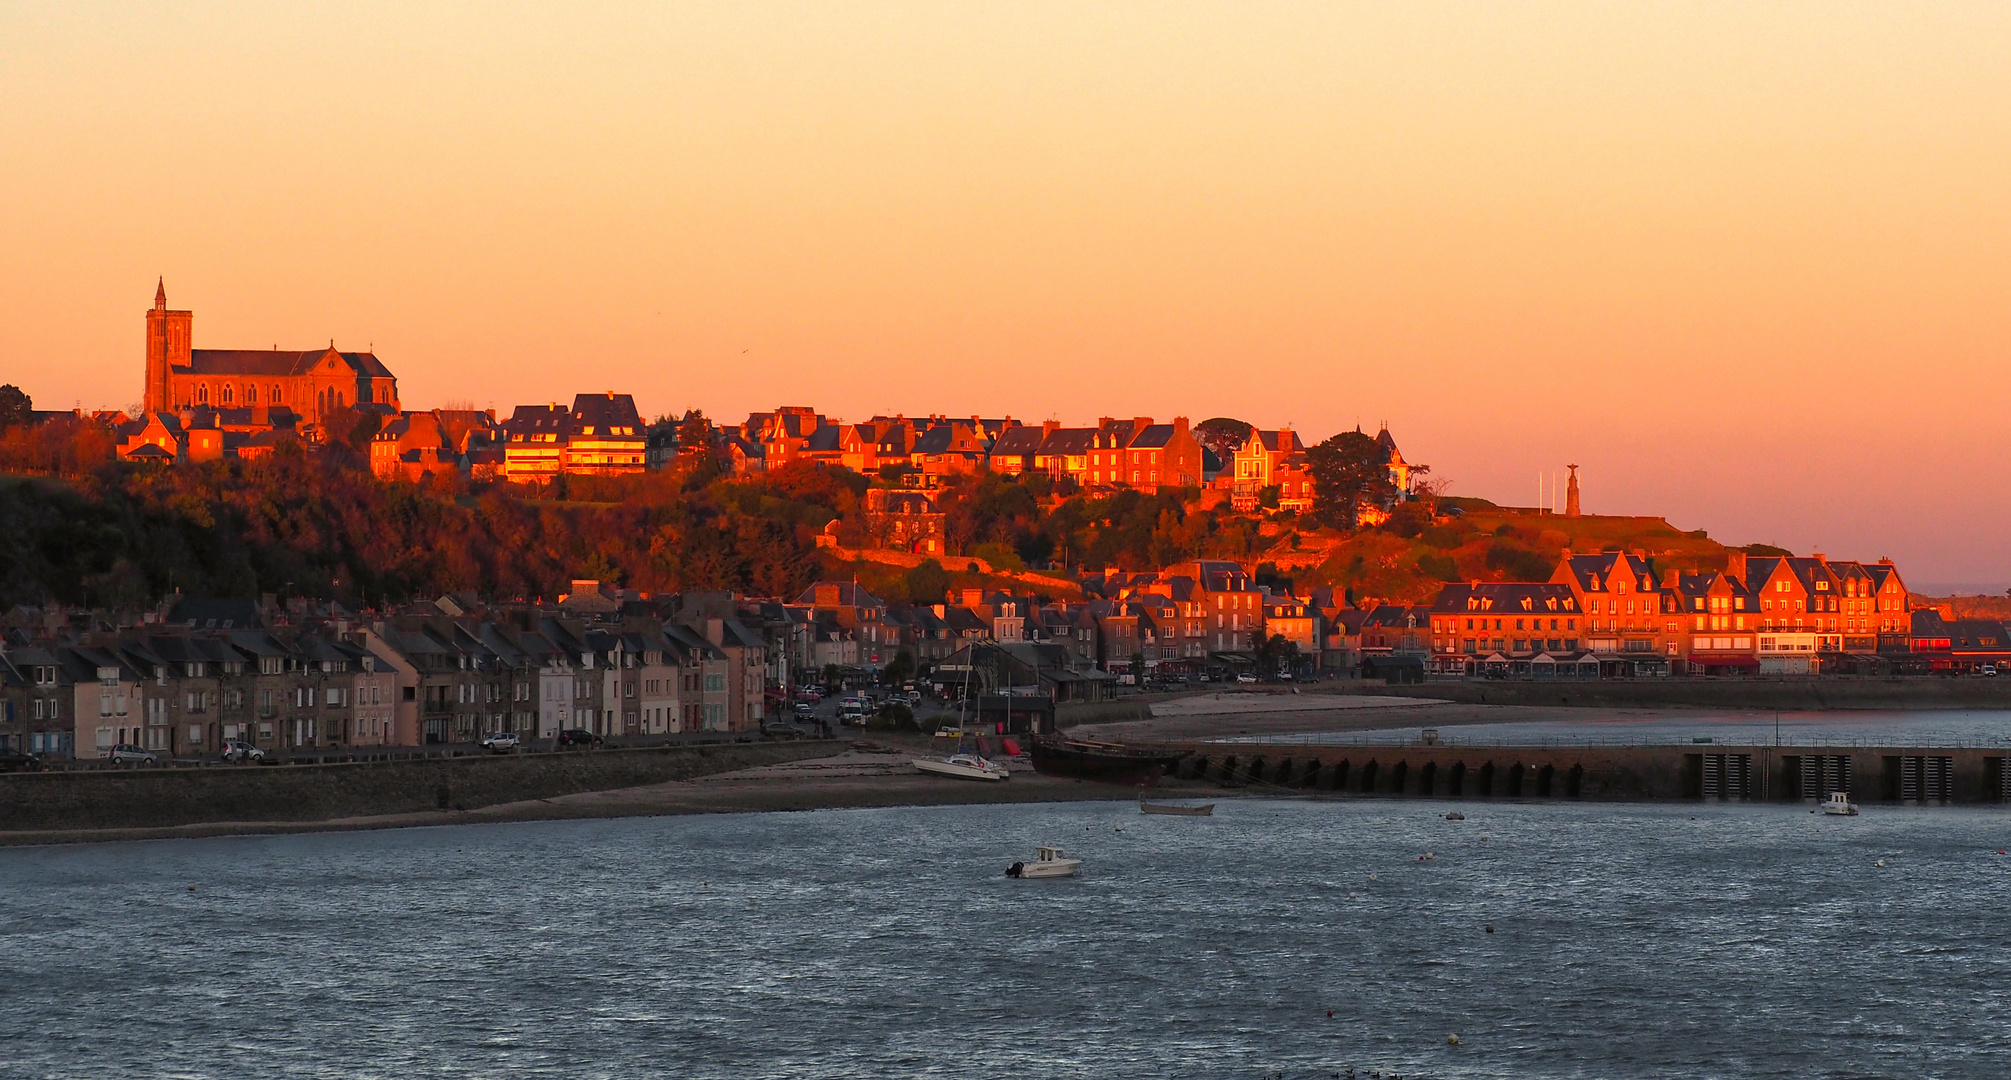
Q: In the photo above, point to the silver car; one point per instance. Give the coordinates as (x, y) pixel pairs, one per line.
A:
(239, 750)
(128, 754)
(502, 742)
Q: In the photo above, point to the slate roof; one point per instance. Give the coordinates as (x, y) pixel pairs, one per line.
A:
(284, 362)
(1505, 598)
(1018, 440)
(603, 412)
(1062, 442)
(538, 420)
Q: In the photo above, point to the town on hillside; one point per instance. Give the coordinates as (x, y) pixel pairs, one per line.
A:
(949, 555)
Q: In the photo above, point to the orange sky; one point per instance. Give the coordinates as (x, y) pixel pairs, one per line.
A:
(1748, 265)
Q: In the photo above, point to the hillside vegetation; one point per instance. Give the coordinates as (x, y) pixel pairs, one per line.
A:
(319, 524)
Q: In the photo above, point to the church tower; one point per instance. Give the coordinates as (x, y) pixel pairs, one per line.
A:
(1570, 492)
(168, 347)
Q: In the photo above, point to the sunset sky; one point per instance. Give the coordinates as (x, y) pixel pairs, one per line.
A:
(1748, 265)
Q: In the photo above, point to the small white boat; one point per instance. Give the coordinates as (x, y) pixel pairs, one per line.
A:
(1839, 803)
(1203, 810)
(963, 767)
(1051, 862)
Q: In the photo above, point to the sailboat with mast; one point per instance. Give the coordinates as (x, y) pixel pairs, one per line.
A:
(966, 760)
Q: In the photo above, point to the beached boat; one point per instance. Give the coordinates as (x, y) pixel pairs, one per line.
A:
(1049, 862)
(963, 767)
(1108, 762)
(1204, 810)
(1839, 804)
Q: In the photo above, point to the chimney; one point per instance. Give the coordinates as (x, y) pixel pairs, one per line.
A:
(1049, 427)
(1104, 421)
(1140, 423)
(1735, 566)
(1672, 579)
(715, 631)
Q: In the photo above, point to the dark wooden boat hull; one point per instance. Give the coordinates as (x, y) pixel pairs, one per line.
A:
(1105, 763)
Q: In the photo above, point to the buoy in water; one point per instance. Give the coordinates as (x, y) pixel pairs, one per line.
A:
(1490, 928)
(1452, 1040)
(1330, 1014)
(1880, 862)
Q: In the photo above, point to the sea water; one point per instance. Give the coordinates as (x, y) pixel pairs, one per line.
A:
(1276, 938)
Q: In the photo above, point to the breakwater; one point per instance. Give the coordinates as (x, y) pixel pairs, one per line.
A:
(1803, 693)
(147, 798)
(1895, 775)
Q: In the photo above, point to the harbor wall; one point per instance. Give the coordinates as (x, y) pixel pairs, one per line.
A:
(139, 798)
(1798, 694)
(1895, 775)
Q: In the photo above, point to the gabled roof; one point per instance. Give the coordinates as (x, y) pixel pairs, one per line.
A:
(1068, 441)
(1018, 440)
(604, 412)
(216, 613)
(538, 420)
(1284, 440)
(284, 362)
(1505, 598)
(1594, 571)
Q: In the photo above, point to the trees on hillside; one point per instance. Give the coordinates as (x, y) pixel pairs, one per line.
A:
(1351, 471)
(15, 406)
(1222, 434)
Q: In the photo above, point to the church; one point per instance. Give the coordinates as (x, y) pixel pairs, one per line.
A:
(307, 385)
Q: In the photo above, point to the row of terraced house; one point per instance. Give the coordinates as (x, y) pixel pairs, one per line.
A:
(310, 678)
(1610, 613)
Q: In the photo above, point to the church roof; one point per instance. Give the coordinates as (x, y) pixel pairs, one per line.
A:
(284, 362)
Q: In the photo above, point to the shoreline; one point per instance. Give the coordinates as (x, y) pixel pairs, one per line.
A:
(853, 778)
(878, 773)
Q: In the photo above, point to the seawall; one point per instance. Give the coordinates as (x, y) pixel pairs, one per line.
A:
(142, 798)
(1896, 775)
(1786, 694)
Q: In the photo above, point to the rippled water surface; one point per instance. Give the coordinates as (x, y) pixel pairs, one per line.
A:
(1629, 941)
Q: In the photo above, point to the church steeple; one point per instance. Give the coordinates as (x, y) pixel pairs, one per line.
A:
(168, 349)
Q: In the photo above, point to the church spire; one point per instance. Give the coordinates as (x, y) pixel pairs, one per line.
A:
(161, 294)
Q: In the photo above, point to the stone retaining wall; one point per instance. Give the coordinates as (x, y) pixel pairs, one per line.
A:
(138, 798)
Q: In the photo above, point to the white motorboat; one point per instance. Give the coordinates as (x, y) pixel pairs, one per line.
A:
(1839, 804)
(963, 767)
(1050, 862)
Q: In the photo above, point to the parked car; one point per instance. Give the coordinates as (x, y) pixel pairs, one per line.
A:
(1246, 678)
(502, 742)
(579, 737)
(128, 754)
(776, 729)
(239, 750)
(16, 761)
(804, 711)
(853, 713)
